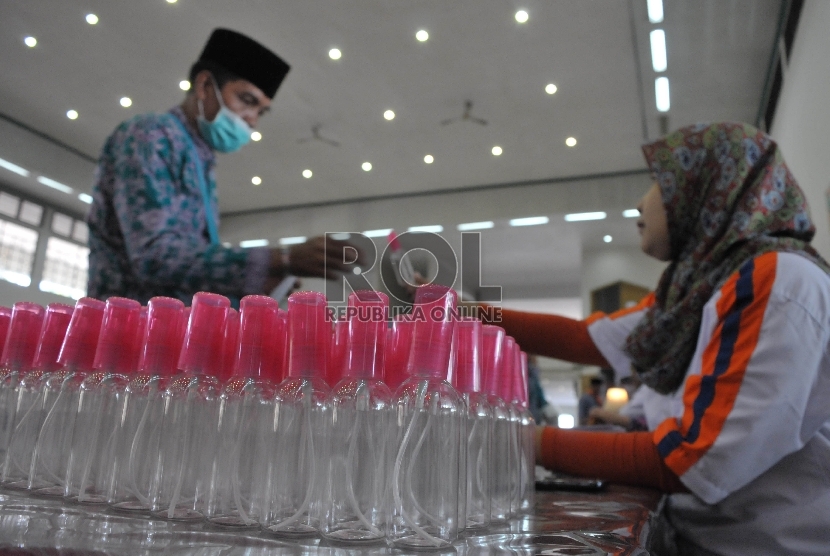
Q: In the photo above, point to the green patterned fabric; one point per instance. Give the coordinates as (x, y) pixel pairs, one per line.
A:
(729, 197)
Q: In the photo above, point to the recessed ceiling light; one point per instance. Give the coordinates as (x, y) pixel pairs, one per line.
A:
(171, 1)
(307, 174)
(126, 102)
(550, 88)
(335, 54)
(256, 180)
(429, 159)
(521, 16)
(253, 242)
(30, 41)
(659, 61)
(85, 198)
(49, 182)
(377, 233)
(389, 115)
(582, 216)
(293, 240)
(92, 19)
(661, 94)
(366, 166)
(256, 136)
(72, 114)
(14, 168)
(497, 151)
(431, 229)
(570, 141)
(422, 35)
(655, 11)
(530, 221)
(631, 213)
(184, 85)
(475, 226)
(607, 239)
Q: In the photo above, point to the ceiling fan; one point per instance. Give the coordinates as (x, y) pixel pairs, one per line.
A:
(466, 116)
(315, 136)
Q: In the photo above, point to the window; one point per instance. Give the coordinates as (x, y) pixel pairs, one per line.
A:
(9, 204)
(31, 213)
(65, 268)
(17, 252)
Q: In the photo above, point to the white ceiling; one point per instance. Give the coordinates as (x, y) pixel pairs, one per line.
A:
(595, 51)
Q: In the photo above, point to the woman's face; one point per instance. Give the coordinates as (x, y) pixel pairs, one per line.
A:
(653, 225)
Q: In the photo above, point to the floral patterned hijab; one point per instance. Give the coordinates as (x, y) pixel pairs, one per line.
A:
(729, 197)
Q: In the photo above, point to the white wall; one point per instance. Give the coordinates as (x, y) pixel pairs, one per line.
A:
(628, 264)
(802, 119)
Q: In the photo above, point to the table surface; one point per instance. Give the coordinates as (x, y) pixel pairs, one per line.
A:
(615, 521)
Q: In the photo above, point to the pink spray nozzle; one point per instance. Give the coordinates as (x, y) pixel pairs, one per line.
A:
(433, 313)
(230, 345)
(23, 337)
(466, 376)
(309, 335)
(506, 372)
(257, 321)
(492, 339)
(116, 351)
(78, 349)
(522, 385)
(5, 319)
(398, 347)
(204, 339)
(277, 349)
(52, 334)
(394, 244)
(368, 311)
(162, 340)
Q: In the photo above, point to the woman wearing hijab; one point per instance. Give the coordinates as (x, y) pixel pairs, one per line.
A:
(732, 347)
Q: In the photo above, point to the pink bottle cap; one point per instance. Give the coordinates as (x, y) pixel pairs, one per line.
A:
(398, 347)
(162, 341)
(466, 376)
(257, 321)
(309, 335)
(230, 345)
(433, 314)
(138, 343)
(116, 351)
(276, 349)
(78, 349)
(204, 339)
(367, 335)
(5, 319)
(523, 393)
(52, 334)
(337, 352)
(505, 372)
(22, 337)
(492, 339)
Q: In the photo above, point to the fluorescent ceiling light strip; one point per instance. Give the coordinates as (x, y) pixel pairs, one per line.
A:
(530, 221)
(661, 94)
(85, 198)
(475, 226)
(253, 243)
(655, 11)
(631, 213)
(659, 60)
(432, 229)
(14, 168)
(293, 240)
(49, 182)
(582, 216)
(377, 233)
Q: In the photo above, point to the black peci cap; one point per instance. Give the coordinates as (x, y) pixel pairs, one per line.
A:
(245, 57)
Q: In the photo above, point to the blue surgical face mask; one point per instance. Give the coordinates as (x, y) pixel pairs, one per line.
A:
(227, 132)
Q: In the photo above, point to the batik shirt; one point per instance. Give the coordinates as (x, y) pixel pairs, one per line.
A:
(148, 231)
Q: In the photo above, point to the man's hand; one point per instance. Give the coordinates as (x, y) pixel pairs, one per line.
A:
(318, 257)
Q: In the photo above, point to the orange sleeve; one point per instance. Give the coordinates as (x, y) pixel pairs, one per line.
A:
(628, 458)
(551, 336)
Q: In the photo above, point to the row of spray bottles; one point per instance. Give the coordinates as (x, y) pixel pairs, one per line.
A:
(271, 419)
